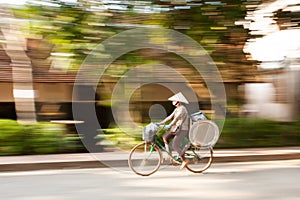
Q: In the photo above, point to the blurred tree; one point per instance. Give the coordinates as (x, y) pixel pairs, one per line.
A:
(72, 28)
(15, 48)
(76, 28)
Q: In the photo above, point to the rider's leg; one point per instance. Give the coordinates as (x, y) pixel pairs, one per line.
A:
(178, 139)
(176, 145)
(167, 137)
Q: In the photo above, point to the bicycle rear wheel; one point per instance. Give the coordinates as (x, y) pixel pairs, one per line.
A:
(200, 159)
(145, 159)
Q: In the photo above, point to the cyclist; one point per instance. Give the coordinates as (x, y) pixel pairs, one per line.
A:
(178, 128)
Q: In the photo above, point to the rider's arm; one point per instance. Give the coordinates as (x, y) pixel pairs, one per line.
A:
(168, 118)
(179, 117)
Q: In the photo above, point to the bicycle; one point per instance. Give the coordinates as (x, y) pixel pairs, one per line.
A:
(146, 158)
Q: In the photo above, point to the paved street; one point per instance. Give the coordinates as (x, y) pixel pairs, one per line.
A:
(245, 180)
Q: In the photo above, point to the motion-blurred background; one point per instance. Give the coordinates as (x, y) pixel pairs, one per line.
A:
(254, 43)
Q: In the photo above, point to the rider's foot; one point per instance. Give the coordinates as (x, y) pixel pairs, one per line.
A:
(174, 163)
(184, 164)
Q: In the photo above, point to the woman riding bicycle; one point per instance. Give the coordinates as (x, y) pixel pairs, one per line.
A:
(179, 126)
(146, 157)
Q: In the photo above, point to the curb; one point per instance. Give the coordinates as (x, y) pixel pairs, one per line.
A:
(256, 158)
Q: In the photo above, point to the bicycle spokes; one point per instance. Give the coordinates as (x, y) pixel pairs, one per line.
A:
(145, 159)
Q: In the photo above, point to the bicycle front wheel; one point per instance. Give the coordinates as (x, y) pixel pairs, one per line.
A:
(200, 159)
(145, 159)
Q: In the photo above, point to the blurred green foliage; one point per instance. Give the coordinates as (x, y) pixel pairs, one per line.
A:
(245, 132)
(77, 28)
(47, 138)
(237, 133)
(39, 138)
(115, 137)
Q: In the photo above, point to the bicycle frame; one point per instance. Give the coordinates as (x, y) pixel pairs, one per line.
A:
(162, 147)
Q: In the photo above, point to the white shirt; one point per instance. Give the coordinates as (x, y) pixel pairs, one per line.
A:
(180, 118)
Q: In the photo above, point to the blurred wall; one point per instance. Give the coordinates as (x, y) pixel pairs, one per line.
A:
(278, 99)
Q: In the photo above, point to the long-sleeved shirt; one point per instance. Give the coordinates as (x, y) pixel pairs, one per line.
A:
(180, 118)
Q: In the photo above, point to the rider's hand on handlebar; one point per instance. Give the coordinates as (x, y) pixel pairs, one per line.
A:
(160, 124)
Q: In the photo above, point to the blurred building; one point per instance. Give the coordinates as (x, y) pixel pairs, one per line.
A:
(29, 92)
(276, 46)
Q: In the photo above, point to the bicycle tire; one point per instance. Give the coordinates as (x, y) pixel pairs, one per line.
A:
(145, 159)
(200, 159)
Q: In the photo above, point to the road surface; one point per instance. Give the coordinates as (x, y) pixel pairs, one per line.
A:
(248, 180)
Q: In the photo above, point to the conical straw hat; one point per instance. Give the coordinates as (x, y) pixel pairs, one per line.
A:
(179, 97)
